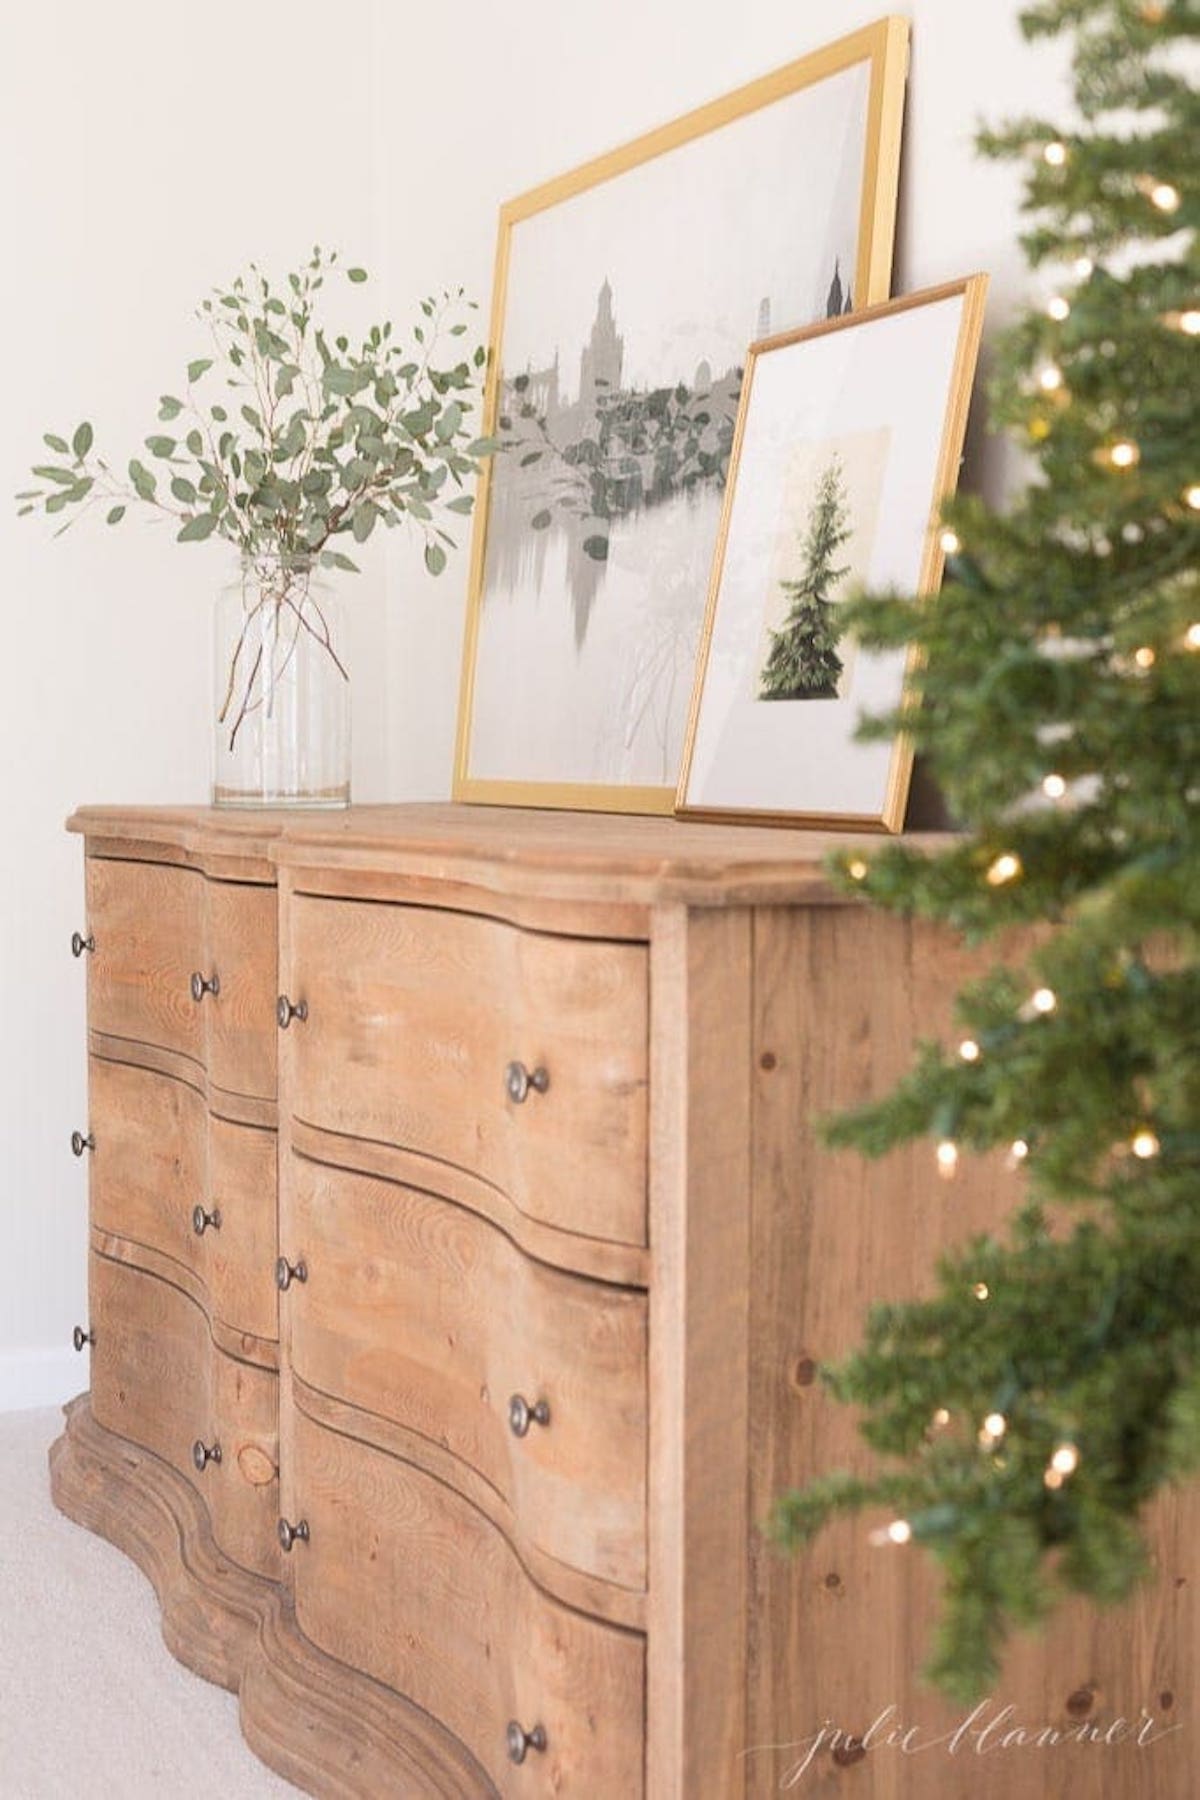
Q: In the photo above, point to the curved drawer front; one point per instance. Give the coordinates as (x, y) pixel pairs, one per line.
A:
(158, 1378)
(148, 923)
(415, 1015)
(158, 1156)
(405, 1579)
(241, 940)
(418, 1310)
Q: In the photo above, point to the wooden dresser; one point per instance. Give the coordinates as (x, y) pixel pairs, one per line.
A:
(462, 1252)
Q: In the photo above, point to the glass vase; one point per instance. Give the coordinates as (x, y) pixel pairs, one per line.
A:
(282, 692)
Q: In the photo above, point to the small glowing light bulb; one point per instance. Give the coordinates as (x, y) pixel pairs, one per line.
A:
(1055, 154)
(1044, 1000)
(1005, 868)
(1189, 322)
(1059, 308)
(1018, 1150)
(1050, 379)
(1165, 197)
(1054, 787)
(941, 1417)
(1124, 454)
(1082, 267)
(1144, 656)
(1192, 637)
(995, 1425)
(857, 870)
(947, 1158)
(981, 1290)
(1065, 1460)
(1192, 496)
(899, 1531)
(951, 543)
(1052, 1479)
(969, 1050)
(1145, 1144)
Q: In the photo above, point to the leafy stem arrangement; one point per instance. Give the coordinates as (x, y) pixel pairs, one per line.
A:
(1049, 1387)
(307, 441)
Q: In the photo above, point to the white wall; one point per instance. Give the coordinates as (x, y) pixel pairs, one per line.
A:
(148, 151)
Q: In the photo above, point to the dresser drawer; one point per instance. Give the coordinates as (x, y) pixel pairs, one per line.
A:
(403, 1578)
(420, 1311)
(158, 1379)
(416, 1018)
(158, 1157)
(156, 928)
(147, 920)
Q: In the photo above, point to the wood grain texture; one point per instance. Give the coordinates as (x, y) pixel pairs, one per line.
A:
(700, 1098)
(414, 1015)
(240, 934)
(419, 1311)
(839, 1634)
(148, 923)
(242, 1345)
(239, 1109)
(602, 1259)
(330, 1730)
(455, 1624)
(158, 1155)
(159, 1380)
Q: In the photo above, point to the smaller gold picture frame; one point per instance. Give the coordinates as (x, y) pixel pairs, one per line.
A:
(848, 440)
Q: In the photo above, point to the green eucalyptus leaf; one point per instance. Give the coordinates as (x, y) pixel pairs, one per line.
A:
(183, 490)
(195, 443)
(462, 503)
(202, 526)
(57, 443)
(356, 275)
(333, 559)
(114, 515)
(144, 485)
(202, 364)
(169, 408)
(435, 558)
(47, 473)
(161, 446)
(81, 443)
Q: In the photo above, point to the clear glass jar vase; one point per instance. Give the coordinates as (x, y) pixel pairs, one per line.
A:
(282, 689)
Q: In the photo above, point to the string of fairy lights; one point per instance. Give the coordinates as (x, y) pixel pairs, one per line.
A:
(1119, 455)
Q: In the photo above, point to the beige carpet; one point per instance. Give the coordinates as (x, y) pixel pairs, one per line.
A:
(91, 1701)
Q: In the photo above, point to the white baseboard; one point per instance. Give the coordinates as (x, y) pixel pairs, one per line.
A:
(40, 1377)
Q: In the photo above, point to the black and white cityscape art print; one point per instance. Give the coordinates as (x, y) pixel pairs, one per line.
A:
(629, 305)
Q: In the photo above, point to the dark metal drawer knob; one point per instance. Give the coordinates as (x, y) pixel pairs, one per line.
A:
(81, 1141)
(521, 1415)
(201, 1220)
(518, 1080)
(202, 985)
(79, 943)
(80, 1337)
(286, 1273)
(521, 1742)
(203, 1454)
(286, 1011)
(292, 1534)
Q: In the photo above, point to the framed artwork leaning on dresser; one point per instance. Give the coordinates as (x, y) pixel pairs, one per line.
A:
(848, 441)
(625, 295)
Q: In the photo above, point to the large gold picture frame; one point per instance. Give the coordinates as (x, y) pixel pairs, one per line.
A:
(881, 49)
(914, 546)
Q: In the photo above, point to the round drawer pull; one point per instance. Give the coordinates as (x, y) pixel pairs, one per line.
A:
(80, 1337)
(518, 1080)
(79, 943)
(521, 1415)
(81, 1141)
(520, 1742)
(201, 1220)
(202, 985)
(203, 1454)
(292, 1534)
(286, 1273)
(285, 1011)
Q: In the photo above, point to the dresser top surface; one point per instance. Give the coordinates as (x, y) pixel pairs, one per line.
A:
(508, 849)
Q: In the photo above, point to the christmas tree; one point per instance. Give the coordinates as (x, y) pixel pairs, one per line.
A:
(803, 663)
(1061, 707)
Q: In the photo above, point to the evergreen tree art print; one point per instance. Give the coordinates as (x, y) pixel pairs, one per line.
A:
(803, 661)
